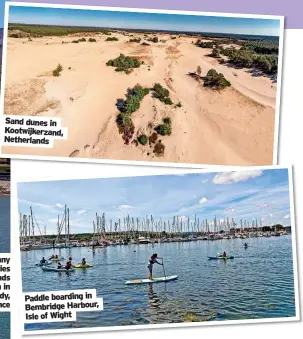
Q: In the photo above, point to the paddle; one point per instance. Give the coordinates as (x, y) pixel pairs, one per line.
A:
(163, 268)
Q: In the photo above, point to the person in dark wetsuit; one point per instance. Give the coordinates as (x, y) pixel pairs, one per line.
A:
(59, 266)
(43, 261)
(224, 254)
(152, 261)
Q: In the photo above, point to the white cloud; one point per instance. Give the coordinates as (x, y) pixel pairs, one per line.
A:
(232, 177)
(32, 203)
(59, 205)
(81, 212)
(125, 207)
(231, 210)
(287, 216)
(203, 200)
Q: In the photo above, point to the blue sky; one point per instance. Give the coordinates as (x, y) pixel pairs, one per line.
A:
(1, 13)
(242, 194)
(76, 17)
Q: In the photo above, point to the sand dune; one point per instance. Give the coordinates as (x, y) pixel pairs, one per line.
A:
(234, 126)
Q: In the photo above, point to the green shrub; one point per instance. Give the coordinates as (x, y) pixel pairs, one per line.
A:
(111, 39)
(57, 71)
(123, 63)
(124, 120)
(82, 40)
(179, 104)
(207, 44)
(215, 80)
(167, 101)
(75, 41)
(164, 129)
(133, 98)
(92, 40)
(160, 91)
(137, 40)
(215, 53)
(167, 121)
(142, 139)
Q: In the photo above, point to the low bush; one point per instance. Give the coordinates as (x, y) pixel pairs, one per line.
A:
(142, 139)
(153, 138)
(57, 71)
(137, 40)
(111, 39)
(162, 94)
(159, 149)
(215, 80)
(92, 40)
(123, 63)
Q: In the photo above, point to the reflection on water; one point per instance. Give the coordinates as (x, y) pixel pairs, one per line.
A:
(258, 283)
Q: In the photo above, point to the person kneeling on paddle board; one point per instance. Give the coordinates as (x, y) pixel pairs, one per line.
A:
(152, 261)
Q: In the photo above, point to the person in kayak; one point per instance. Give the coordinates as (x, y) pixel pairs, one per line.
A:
(83, 262)
(42, 261)
(152, 261)
(245, 244)
(224, 254)
(68, 266)
(59, 266)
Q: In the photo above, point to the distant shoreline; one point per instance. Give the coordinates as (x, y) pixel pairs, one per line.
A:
(206, 34)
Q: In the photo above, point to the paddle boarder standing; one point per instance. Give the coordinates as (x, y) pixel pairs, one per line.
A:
(152, 261)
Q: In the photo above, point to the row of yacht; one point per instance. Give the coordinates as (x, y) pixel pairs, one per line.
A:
(146, 240)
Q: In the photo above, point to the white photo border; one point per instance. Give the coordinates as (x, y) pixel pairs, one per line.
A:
(16, 253)
(140, 10)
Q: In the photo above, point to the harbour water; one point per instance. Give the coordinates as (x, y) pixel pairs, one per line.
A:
(4, 224)
(258, 283)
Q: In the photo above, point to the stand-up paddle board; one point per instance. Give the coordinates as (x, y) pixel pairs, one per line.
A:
(153, 281)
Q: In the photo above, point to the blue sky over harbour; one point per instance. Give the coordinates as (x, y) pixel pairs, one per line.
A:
(135, 20)
(251, 194)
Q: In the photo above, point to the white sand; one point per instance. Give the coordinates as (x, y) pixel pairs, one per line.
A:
(234, 126)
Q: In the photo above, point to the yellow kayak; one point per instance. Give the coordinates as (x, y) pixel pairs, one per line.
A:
(83, 266)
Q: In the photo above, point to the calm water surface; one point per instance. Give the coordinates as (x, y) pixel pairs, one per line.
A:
(4, 224)
(258, 283)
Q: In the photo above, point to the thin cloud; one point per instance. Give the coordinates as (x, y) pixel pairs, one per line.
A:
(203, 201)
(126, 207)
(233, 177)
(81, 212)
(59, 205)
